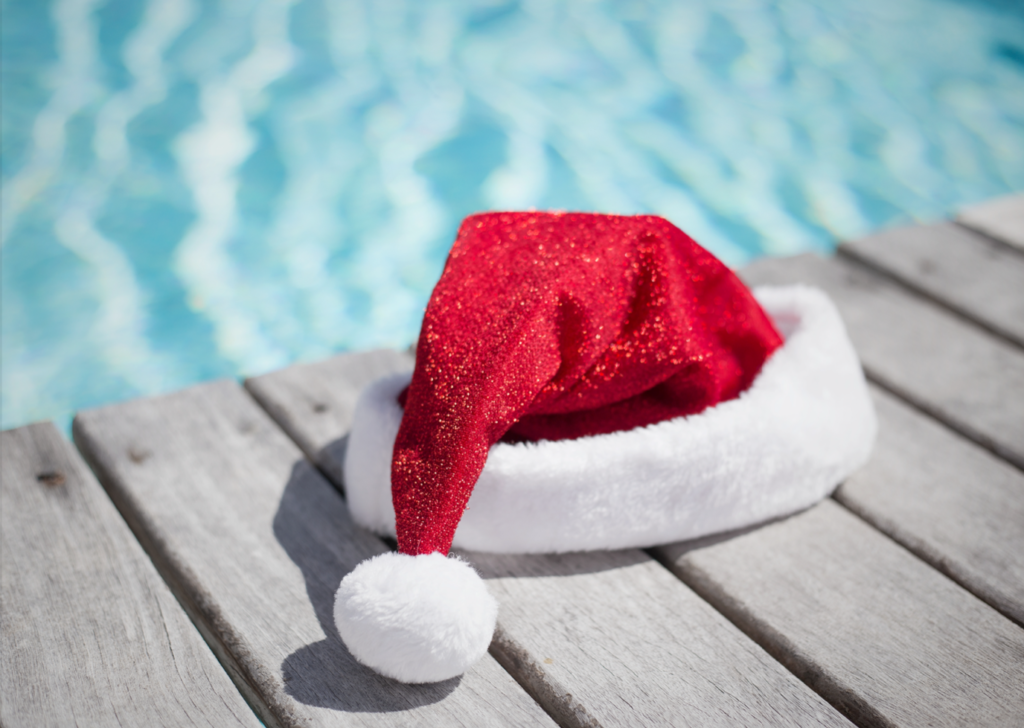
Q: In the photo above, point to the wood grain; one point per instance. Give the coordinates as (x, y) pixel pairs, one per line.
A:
(90, 633)
(1001, 218)
(886, 638)
(949, 501)
(946, 367)
(254, 541)
(975, 277)
(314, 402)
(601, 638)
(614, 638)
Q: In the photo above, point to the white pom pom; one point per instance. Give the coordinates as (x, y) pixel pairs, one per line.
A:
(416, 619)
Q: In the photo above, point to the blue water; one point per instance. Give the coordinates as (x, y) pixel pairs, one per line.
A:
(193, 190)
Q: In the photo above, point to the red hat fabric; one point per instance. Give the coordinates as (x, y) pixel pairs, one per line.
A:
(583, 382)
(551, 326)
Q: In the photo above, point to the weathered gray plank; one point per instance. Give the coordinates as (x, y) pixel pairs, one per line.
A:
(90, 634)
(314, 402)
(1002, 218)
(255, 541)
(879, 633)
(613, 638)
(960, 374)
(608, 638)
(947, 500)
(979, 279)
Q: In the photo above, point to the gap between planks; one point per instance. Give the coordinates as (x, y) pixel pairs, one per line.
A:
(885, 638)
(945, 499)
(953, 268)
(1001, 219)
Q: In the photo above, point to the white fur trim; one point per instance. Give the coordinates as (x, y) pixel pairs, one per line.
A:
(804, 425)
(416, 619)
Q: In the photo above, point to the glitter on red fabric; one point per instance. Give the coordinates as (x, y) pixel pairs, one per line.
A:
(560, 325)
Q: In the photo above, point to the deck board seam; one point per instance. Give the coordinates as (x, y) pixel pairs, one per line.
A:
(1004, 246)
(782, 650)
(779, 647)
(850, 255)
(920, 552)
(935, 413)
(556, 701)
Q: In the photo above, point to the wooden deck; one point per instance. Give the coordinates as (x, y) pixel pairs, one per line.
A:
(897, 602)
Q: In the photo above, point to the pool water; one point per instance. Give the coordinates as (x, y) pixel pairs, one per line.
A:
(202, 189)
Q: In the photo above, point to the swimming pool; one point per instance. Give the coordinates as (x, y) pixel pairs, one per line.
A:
(201, 189)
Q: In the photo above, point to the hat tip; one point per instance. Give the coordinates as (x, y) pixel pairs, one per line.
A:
(417, 619)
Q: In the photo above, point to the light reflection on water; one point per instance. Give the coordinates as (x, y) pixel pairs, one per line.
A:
(199, 189)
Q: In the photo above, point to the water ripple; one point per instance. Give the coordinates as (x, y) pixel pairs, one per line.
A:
(281, 179)
(76, 87)
(210, 154)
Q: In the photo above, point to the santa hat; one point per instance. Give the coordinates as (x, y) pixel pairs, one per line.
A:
(583, 382)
